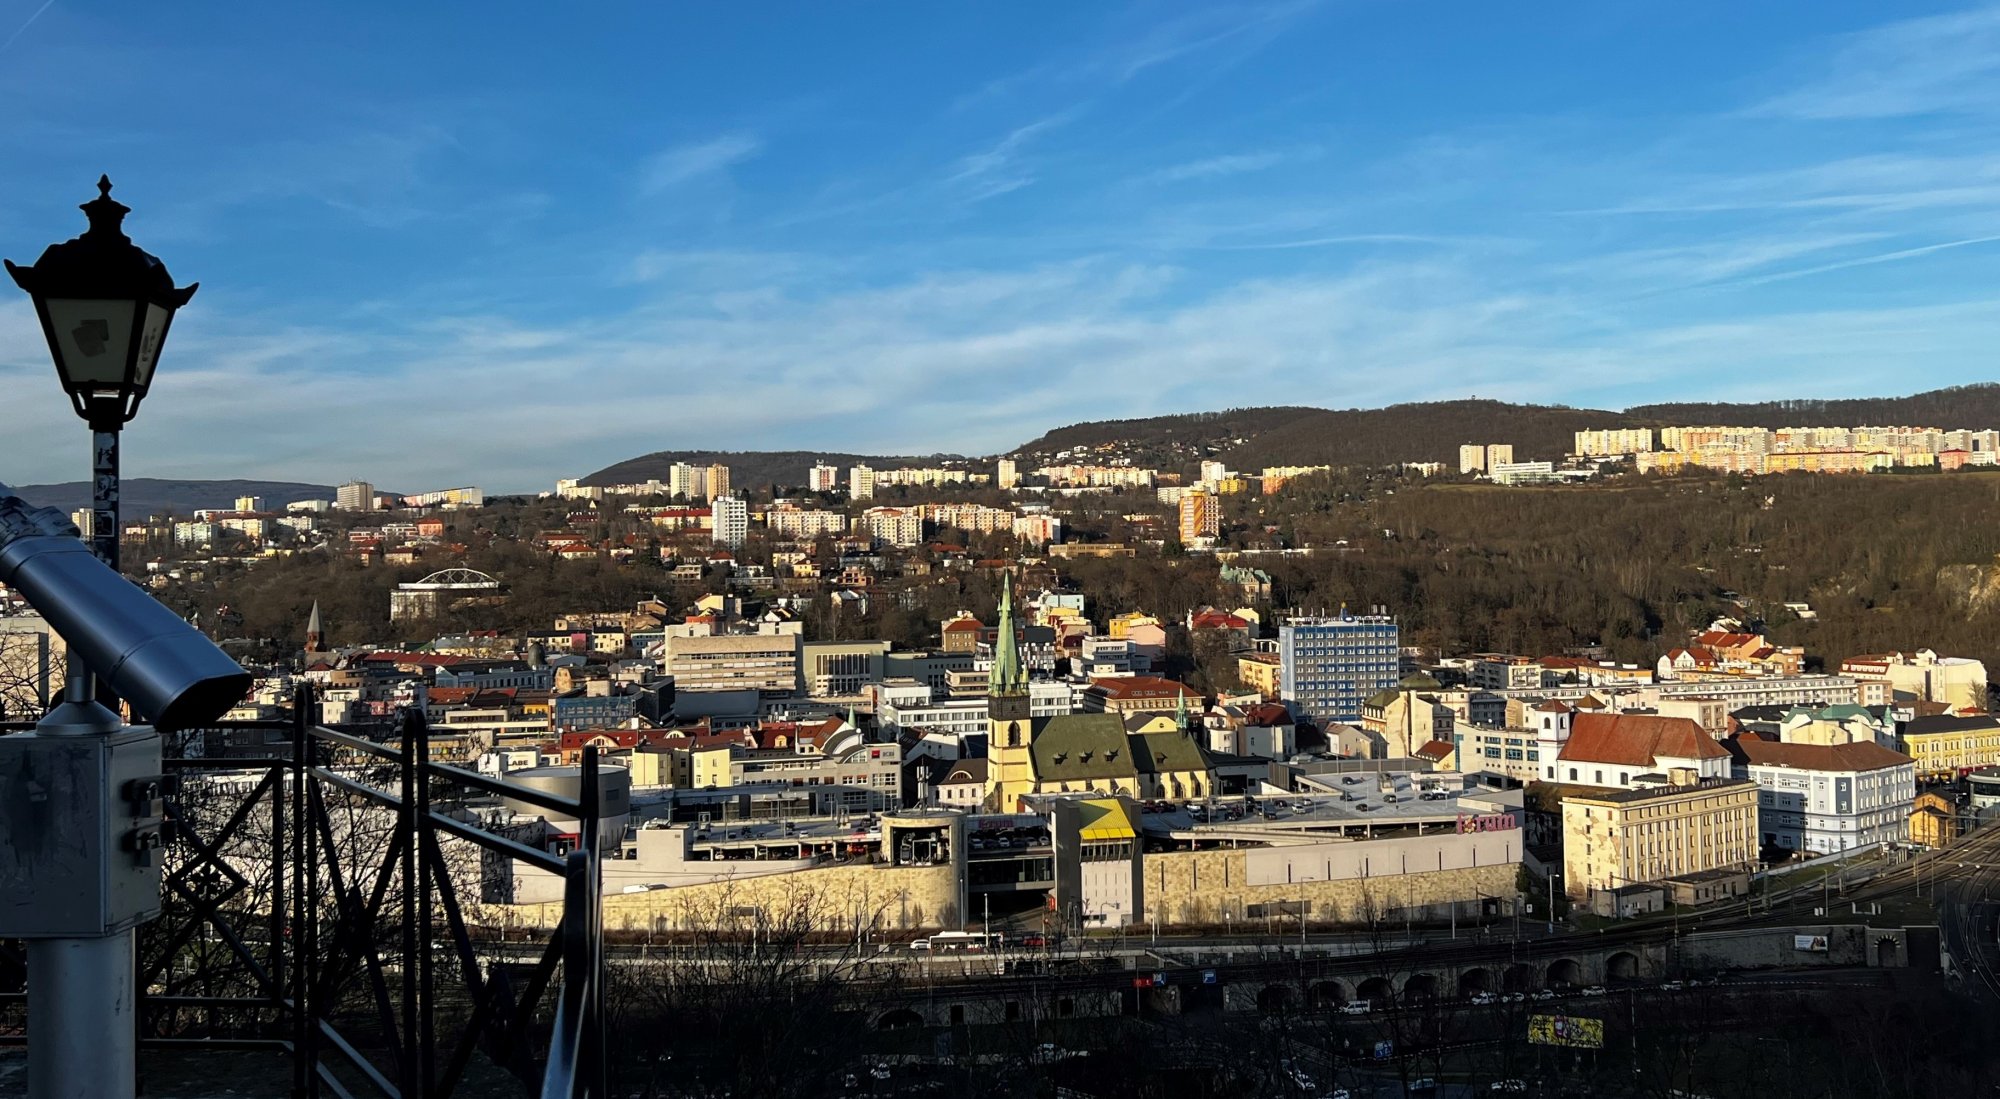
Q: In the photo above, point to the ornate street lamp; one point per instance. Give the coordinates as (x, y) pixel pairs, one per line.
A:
(105, 307)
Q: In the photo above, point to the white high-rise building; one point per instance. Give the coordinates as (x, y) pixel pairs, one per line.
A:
(861, 483)
(729, 520)
(355, 496)
(1471, 458)
(1008, 474)
(690, 482)
(823, 478)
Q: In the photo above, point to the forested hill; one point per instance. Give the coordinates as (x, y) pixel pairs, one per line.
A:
(749, 468)
(1249, 439)
(1974, 406)
(143, 496)
(1252, 438)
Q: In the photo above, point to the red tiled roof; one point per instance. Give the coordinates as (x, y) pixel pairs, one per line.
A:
(1721, 640)
(1435, 750)
(1637, 740)
(1267, 714)
(1552, 707)
(1218, 620)
(960, 625)
(1119, 688)
(1864, 755)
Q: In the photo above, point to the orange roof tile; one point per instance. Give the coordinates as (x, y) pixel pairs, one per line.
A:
(1637, 740)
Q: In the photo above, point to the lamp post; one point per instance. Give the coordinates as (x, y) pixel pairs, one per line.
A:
(105, 307)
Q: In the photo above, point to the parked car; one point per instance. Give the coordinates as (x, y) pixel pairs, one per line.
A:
(1596, 990)
(1356, 1007)
(1672, 986)
(1483, 998)
(1423, 1083)
(1543, 994)
(1511, 1087)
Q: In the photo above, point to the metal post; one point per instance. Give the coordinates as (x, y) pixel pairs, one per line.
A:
(413, 1082)
(423, 841)
(83, 1039)
(305, 895)
(82, 990)
(104, 520)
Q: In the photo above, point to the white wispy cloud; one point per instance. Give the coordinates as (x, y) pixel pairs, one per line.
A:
(1934, 65)
(1867, 261)
(966, 361)
(25, 24)
(1001, 168)
(681, 163)
(1249, 27)
(1234, 164)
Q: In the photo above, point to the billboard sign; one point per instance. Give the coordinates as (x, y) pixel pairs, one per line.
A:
(1566, 1030)
(1811, 944)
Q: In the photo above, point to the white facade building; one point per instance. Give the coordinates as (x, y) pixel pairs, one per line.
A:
(729, 521)
(1823, 798)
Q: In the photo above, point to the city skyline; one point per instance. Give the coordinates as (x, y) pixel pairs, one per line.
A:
(950, 230)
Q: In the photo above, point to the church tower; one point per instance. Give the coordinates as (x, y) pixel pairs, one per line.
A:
(314, 641)
(1010, 768)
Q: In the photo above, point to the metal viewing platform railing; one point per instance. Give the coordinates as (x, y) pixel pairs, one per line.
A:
(315, 891)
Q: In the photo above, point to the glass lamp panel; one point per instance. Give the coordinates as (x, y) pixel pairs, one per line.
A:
(152, 331)
(93, 338)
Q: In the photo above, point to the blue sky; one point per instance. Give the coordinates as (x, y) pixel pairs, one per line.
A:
(498, 244)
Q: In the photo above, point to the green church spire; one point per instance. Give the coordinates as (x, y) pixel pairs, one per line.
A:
(1009, 678)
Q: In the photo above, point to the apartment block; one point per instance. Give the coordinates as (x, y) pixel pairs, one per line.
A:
(1329, 666)
(1691, 835)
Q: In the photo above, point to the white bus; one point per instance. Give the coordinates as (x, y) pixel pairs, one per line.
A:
(961, 942)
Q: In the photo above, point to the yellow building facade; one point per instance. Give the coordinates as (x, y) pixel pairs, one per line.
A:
(1632, 837)
(1947, 745)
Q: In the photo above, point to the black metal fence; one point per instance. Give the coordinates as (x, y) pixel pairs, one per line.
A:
(316, 901)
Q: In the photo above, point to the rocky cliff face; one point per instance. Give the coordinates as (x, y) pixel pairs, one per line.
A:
(1973, 589)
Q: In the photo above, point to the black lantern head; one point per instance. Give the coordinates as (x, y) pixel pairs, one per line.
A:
(105, 307)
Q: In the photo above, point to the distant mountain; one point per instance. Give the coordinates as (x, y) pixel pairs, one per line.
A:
(144, 496)
(752, 468)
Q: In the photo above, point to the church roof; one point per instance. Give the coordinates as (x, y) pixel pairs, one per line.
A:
(1155, 753)
(1079, 747)
(1008, 677)
(1637, 740)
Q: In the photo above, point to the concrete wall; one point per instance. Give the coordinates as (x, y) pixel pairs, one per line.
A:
(1215, 887)
(1773, 948)
(833, 898)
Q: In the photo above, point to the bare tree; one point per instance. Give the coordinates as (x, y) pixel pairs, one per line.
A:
(751, 999)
